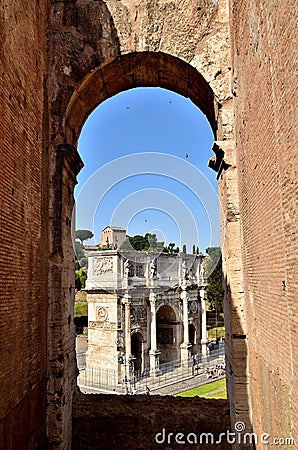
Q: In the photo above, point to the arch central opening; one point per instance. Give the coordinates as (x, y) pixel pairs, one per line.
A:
(168, 334)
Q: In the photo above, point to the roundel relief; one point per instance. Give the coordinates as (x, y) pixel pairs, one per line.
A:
(102, 314)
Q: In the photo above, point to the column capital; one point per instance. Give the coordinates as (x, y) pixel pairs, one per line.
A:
(126, 300)
(184, 295)
(203, 293)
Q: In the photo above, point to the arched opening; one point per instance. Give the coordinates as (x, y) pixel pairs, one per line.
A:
(137, 351)
(100, 273)
(120, 74)
(167, 334)
(111, 79)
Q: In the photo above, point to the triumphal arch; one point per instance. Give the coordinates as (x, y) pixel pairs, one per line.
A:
(146, 308)
(236, 61)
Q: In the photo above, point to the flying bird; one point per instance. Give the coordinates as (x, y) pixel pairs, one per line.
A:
(186, 155)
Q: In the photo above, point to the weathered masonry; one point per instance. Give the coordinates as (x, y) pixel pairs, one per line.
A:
(59, 60)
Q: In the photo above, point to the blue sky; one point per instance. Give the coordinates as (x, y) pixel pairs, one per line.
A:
(146, 153)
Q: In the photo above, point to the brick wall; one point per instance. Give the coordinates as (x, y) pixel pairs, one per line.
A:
(23, 225)
(265, 110)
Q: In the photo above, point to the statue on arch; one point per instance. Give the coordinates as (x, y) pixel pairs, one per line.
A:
(152, 268)
(126, 268)
(184, 270)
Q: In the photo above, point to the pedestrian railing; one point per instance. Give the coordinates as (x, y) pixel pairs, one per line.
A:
(98, 377)
(168, 373)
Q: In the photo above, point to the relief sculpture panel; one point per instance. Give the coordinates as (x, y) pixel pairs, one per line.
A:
(102, 266)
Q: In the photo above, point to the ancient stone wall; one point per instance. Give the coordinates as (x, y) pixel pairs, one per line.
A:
(23, 224)
(264, 54)
(126, 422)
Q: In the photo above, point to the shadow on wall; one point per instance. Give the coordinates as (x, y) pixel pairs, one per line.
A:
(237, 374)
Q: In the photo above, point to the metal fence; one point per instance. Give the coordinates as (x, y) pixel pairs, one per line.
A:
(175, 371)
(99, 377)
(168, 373)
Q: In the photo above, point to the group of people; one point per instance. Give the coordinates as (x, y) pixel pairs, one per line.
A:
(135, 392)
(215, 372)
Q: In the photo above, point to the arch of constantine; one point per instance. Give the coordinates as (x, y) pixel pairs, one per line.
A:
(146, 303)
(236, 61)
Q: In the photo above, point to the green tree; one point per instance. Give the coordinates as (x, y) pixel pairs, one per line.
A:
(79, 250)
(80, 279)
(139, 242)
(184, 249)
(215, 293)
(84, 262)
(170, 248)
(78, 284)
(126, 245)
(148, 242)
(83, 235)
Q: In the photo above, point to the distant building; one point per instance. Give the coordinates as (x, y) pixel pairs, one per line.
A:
(144, 309)
(112, 237)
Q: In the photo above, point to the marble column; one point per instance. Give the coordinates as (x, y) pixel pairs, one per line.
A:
(154, 352)
(185, 346)
(204, 340)
(143, 358)
(127, 303)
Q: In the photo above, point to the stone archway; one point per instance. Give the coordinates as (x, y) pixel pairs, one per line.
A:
(90, 63)
(167, 334)
(127, 71)
(61, 43)
(138, 70)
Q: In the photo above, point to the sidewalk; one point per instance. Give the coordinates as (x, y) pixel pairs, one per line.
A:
(184, 385)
